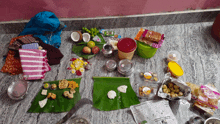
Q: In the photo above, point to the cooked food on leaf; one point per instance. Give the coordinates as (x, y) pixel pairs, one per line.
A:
(111, 94)
(122, 88)
(63, 84)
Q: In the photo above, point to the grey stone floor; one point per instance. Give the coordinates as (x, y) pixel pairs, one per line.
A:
(200, 61)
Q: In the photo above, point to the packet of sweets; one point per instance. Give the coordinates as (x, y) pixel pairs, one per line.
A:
(149, 41)
(152, 36)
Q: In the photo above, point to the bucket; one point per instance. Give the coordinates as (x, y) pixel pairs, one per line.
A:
(145, 51)
(126, 48)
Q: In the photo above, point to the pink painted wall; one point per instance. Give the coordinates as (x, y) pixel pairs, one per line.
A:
(25, 9)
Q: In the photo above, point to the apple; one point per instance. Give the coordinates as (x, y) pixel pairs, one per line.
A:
(86, 50)
(95, 50)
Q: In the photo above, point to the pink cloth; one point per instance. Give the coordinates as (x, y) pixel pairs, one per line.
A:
(34, 63)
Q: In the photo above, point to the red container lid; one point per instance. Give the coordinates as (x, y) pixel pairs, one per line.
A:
(126, 45)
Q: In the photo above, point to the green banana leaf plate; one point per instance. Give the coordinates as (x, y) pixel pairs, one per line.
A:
(77, 49)
(123, 100)
(60, 104)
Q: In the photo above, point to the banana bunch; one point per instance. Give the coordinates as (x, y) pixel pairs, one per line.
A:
(93, 31)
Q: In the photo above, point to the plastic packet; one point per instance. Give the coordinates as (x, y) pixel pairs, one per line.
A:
(147, 90)
(151, 38)
(208, 97)
(176, 86)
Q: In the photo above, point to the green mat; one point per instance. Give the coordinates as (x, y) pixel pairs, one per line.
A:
(123, 100)
(60, 104)
(77, 49)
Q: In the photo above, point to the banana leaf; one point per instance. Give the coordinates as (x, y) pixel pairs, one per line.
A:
(102, 85)
(77, 49)
(60, 104)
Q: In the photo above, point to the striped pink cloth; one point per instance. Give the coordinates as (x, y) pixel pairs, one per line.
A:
(34, 63)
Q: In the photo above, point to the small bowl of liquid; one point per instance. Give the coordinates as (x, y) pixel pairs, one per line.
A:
(18, 89)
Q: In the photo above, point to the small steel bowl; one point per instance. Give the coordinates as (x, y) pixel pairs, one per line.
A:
(126, 67)
(196, 120)
(111, 65)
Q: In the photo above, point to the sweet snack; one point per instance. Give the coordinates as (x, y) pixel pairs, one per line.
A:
(72, 91)
(172, 89)
(152, 36)
(63, 84)
(72, 84)
(144, 91)
(53, 86)
(53, 96)
(44, 92)
(49, 95)
(46, 85)
(66, 93)
(111, 94)
(70, 96)
(122, 88)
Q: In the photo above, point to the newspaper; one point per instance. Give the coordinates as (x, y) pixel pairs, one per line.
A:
(154, 112)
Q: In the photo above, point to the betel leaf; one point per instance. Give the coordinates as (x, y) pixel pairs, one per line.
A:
(60, 104)
(102, 85)
(77, 49)
(143, 122)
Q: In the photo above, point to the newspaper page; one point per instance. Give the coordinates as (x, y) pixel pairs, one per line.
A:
(154, 112)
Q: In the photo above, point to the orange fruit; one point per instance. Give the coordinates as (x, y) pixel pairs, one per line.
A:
(91, 44)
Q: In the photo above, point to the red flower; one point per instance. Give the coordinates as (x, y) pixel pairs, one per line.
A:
(78, 73)
(88, 62)
(72, 59)
(69, 68)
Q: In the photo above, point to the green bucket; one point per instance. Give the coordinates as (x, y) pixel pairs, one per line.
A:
(144, 50)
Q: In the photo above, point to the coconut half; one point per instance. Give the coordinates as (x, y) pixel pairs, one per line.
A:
(122, 88)
(86, 37)
(76, 36)
(111, 94)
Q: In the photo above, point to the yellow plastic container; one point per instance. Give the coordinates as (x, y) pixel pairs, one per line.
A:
(175, 69)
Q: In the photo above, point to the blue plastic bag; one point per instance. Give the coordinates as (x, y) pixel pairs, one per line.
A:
(46, 26)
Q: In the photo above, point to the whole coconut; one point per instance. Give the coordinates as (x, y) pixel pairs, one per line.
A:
(95, 50)
(86, 50)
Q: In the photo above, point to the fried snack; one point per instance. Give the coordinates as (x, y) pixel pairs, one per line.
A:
(72, 91)
(72, 84)
(63, 84)
(195, 89)
(53, 86)
(172, 89)
(176, 87)
(66, 93)
(165, 90)
(70, 96)
(177, 90)
(53, 96)
(49, 95)
(180, 93)
(164, 86)
(170, 85)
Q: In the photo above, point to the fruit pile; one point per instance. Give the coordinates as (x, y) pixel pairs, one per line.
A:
(90, 48)
(92, 31)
